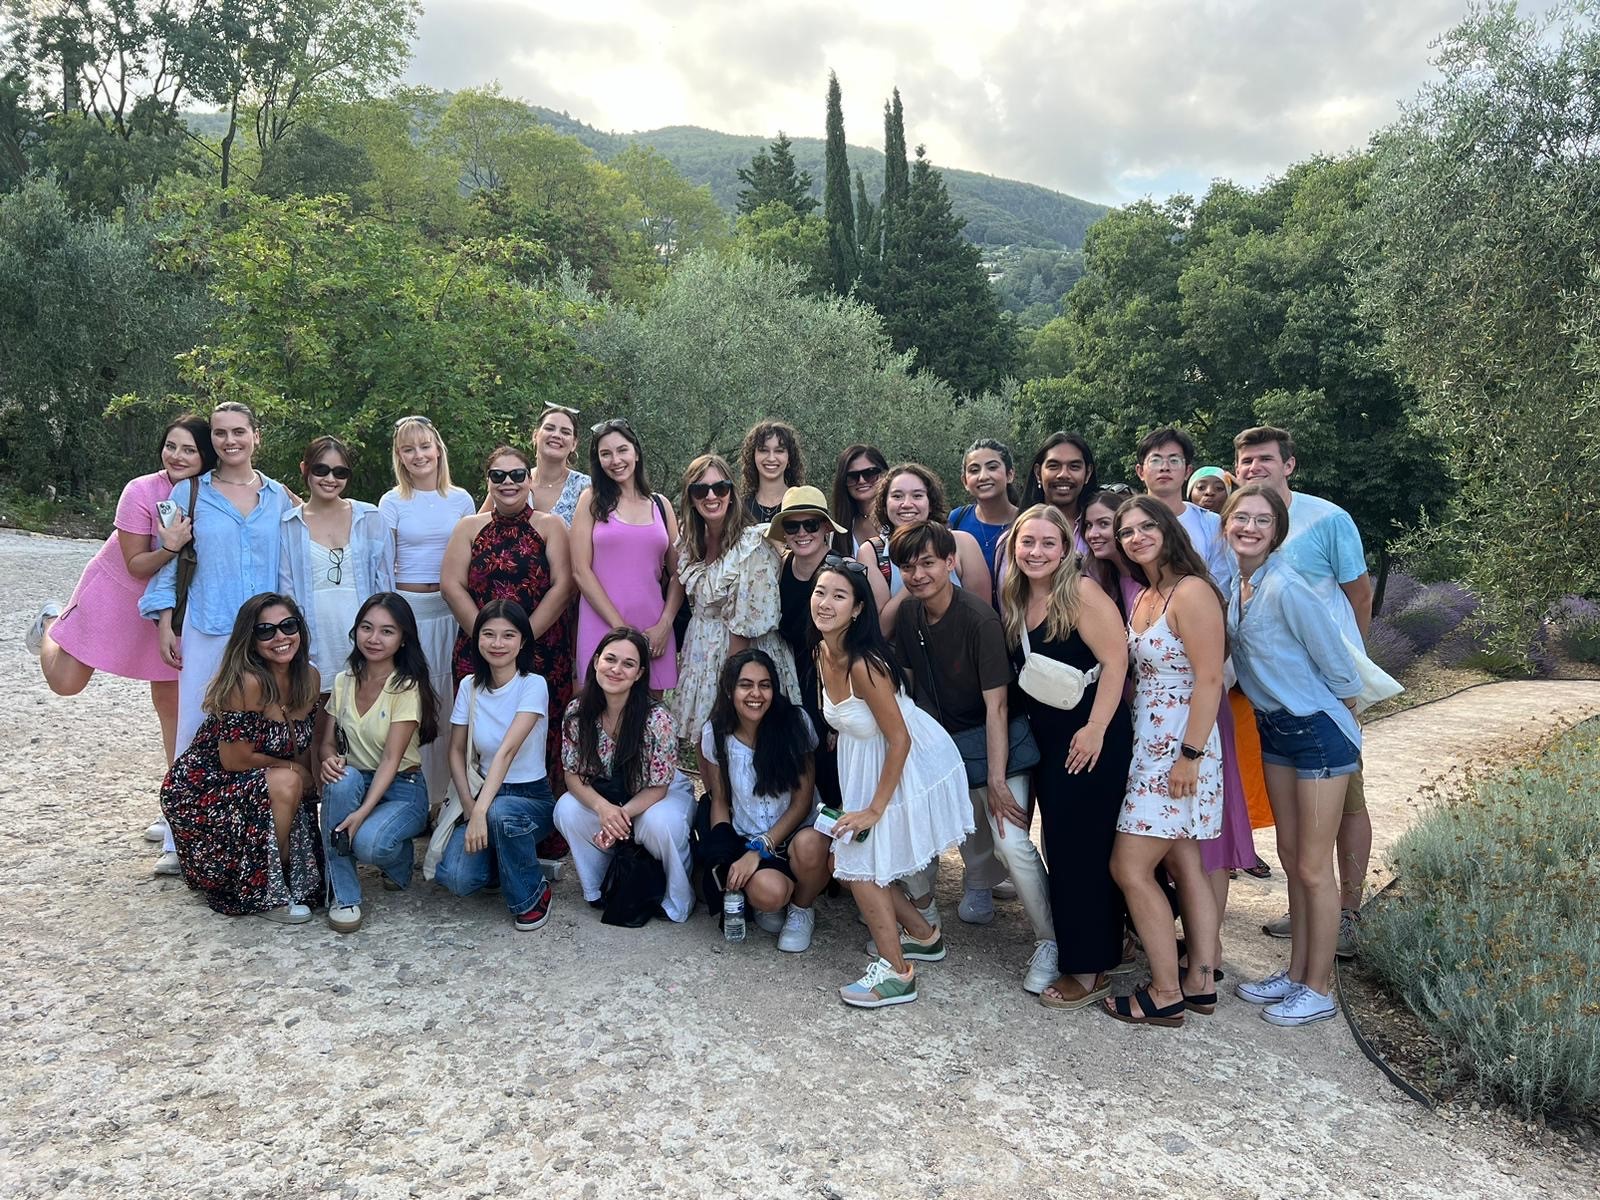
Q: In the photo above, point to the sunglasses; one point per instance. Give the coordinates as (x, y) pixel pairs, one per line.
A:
(838, 562)
(265, 630)
(699, 491)
(866, 475)
(417, 417)
(515, 475)
(809, 525)
(614, 425)
(562, 408)
(323, 470)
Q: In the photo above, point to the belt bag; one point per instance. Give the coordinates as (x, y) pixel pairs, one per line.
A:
(1022, 752)
(1058, 684)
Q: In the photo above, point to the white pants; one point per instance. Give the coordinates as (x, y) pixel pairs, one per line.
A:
(202, 655)
(984, 868)
(437, 630)
(663, 830)
(1021, 858)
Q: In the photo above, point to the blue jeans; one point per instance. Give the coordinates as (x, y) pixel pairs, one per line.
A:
(519, 819)
(1314, 746)
(384, 838)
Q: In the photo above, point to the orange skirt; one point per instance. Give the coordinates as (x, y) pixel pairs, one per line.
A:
(1247, 742)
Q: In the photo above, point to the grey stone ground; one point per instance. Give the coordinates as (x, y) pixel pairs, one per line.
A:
(154, 1048)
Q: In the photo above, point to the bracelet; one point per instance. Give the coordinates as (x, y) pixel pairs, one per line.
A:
(762, 845)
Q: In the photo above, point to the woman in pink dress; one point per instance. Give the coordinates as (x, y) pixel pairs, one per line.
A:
(621, 546)
(99, 628)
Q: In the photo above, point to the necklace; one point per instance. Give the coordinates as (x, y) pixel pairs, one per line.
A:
(255, 477)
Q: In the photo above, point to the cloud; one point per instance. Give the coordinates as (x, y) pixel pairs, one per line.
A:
(1100, 98)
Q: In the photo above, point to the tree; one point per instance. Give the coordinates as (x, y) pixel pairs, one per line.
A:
(774, 234)
(678, 216)
(772, 177)
(309, 162)
(478, 132)
(1481, 262)
(837, 210)
(896, 172)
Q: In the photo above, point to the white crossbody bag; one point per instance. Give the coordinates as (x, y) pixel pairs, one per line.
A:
(1058, 684)
(450, 812)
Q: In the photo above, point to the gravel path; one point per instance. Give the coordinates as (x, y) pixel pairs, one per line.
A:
(153, 1047)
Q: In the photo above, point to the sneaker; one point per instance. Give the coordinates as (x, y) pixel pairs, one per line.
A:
(1004, 890)
(931, 950)
(772, 922)
(288, 914)
(1281, 928)
(157, 833)
(167, 864)
(1275, 987)
(538, 914)
(1300, 1007)
(879, 987)
(344, 918)
(931, 914)
(1042, 970)
(797, 930)
(552, 868)
(34, 638)
(977, 906)
(1349, 933)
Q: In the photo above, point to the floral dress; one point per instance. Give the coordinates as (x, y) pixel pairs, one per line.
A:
(509, 563)
(1163, 683)
(735, 594)
(222, 820)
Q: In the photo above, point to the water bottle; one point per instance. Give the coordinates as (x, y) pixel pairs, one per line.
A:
(733, 916)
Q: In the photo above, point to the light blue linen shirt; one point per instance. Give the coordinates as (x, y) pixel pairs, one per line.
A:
(369, 556)
(1288, 650)
(236, 557)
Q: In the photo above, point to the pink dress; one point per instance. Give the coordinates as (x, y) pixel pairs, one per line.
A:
(627, 562)
(101, 626)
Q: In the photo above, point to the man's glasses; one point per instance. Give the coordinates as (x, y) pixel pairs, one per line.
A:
(515, 475)
(838, 562)
(1175, 461)
(865, 475)
(323, 470)
(265, 630)
(807, 525)
(699, 491)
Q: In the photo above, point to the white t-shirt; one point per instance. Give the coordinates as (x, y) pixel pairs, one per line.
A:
(421, 527)
(1204, 528)
(496, 709)
(753, 815)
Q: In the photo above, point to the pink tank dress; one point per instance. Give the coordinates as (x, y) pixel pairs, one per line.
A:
(101, 626)
(627, 562)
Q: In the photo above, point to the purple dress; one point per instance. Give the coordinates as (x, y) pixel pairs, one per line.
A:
(1235, 846)
(627, 561)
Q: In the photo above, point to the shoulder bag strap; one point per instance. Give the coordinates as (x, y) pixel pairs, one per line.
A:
(933, 677)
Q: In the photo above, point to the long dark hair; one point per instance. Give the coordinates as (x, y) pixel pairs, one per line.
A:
(501, 610)
(782, 742)
(241, 659)
(1107, 574)
(626, 768)
(410, 664)
(605, 494)
(863, 641)
(844, 508)
(1034, 492)
(199, 428)
(1178, 554)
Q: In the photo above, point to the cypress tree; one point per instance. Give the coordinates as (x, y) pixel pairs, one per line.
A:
(869, 223)
(896, 176)
(837, 209)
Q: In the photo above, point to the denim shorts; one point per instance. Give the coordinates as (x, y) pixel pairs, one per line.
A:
(1314, 746)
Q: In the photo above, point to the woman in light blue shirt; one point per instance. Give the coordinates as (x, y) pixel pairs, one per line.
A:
(237, 514)
(1300, 675)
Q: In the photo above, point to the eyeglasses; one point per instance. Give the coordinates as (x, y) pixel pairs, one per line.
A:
(1244, 520)
(699, 491)
(1127, 531)
(808, 524)
(866, 475)
(335, 569)
(265, 630)
(838, 562)
(614, 425)
(323, 470)
(515, 475)
(417, 417)
(1165, 460)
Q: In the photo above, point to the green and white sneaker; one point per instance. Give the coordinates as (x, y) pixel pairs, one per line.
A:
(931, 950)
(880, 987)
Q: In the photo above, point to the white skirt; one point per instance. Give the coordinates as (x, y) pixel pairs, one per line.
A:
(437, 629)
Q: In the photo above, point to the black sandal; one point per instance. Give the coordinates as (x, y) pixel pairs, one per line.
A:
(1122, 1010)
(1204, 1003)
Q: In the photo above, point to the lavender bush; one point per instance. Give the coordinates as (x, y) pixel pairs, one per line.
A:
(1434, 612)
(1578, 622)
(1399, 589)
(1390, 648)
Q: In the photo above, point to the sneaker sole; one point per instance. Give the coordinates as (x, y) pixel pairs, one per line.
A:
(1346, 954)
(1292, 1022)
(340, 928)
(1273, 933)
(1250, 998)
(906, 998)
(980, 919)
(530, 926)
(794, 949)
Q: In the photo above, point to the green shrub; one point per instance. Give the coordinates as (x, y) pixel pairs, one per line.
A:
(1493, 936)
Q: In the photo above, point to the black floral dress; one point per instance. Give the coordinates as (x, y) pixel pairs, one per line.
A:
(222, 820)
(509, 563)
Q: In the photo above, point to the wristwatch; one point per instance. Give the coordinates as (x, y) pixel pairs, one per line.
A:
(1189, 751)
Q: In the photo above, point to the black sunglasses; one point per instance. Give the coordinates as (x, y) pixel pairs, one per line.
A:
(699, 491)
(418, 417)
(515, 475)
(289, 626)
(322, 470)
(809, 524)
(865, 475)
(614, 425)
(838, 562)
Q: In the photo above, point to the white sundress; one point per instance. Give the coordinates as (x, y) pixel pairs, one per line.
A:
(332, 610)
(930, 811)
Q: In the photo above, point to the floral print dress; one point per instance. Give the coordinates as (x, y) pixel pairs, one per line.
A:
(222, 820)
(1163, 682)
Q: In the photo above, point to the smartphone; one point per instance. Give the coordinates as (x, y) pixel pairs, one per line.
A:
(341, 842)
(167, 511)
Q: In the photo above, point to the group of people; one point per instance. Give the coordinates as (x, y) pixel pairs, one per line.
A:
(866, 680)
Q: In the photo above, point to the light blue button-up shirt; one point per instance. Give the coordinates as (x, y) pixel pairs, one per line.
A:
(1288, 650)
(237, 557)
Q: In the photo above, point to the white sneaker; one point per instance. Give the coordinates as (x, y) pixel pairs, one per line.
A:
(1275, 987)
(976, 907)
(34, 638)
(1004, 890)
(343, 918)
(157, 832)
(930, 914)
(1301, 1007)
(1041, 968)
(770, 921)
(288, 914)
(167, 864)
(797, 929)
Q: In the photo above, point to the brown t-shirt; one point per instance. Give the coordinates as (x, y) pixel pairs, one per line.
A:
(965, 651)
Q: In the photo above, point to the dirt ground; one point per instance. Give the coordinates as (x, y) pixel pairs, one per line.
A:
(155, 1048)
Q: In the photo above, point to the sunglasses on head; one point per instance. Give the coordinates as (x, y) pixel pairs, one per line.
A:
(614, 425)
(562, 408)
(265, 630)
(417, 417)
(865, 475)
(323, 470)
(515, 475)
(807, 524)
(838, 562)
(699, 491)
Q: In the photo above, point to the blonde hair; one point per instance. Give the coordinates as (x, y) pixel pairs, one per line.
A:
(692, 526)
(403, 431)
(1061, 610)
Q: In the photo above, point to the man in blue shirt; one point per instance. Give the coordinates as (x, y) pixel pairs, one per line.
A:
(1165, 460)
(1325, 547)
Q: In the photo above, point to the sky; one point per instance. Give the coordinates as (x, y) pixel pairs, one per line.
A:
(1103, 99)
